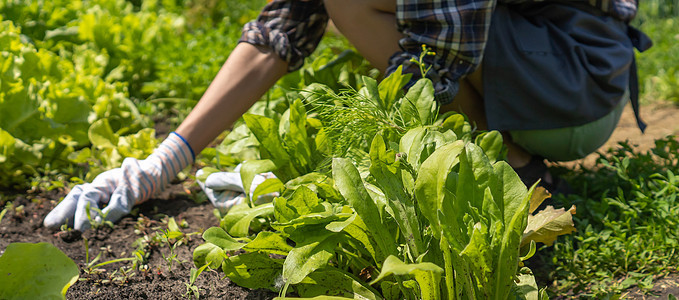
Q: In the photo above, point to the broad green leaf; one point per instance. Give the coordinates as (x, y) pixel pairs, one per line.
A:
(526, 287)
(427, 275)
(304, 201)
(473, 178)
(138, 145)
(271, 145)
(268, 186)
(210, 254)
(321, 184)
(516, 216)
(350, 185)
(237, 220)
(359, 231)
(296, 138)
(479, 257)
(307, 257)
(254, 270)
(6, 145)
(101, 135)
(391, 88)
(340, 225)
(323, 143)
(547, 224)
(35, 271)
(219, 237)
(251, 168)
(268, 242)
(430, 184)
(334, 282)
(282, 211)
(387, 172)
(412, 139)
(458, 125)
(421, 97)
(492, 145)
(513, 191)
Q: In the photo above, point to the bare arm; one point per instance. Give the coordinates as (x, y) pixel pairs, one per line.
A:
(245, 76)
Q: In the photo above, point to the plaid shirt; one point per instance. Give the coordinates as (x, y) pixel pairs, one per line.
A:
(456, 30)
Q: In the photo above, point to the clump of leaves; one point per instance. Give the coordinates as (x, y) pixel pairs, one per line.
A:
(627, 221)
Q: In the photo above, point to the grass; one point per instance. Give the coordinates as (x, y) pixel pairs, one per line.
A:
(627, 223)
(659, 65)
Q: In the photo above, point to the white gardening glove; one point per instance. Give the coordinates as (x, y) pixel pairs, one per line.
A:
(225, 189)
(122, 188)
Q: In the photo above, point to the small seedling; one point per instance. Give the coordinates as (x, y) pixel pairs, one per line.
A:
(2, 214)
(191, 288)
(97, 223)
(92, 266)
(18, 212)
(173, 237)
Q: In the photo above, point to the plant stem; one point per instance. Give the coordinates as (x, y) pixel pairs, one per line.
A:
(448, 269)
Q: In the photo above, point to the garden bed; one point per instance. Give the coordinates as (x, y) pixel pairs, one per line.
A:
(157, 281)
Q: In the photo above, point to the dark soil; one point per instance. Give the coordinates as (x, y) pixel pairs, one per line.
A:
(156, 281)
(153, 281)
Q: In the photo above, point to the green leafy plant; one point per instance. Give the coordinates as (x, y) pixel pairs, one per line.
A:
(35, 271)
(427, 211)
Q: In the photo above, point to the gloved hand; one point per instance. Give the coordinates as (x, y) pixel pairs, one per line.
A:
(225, 189)
(122, 188)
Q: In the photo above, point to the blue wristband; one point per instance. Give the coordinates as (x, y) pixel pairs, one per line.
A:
(193, 155)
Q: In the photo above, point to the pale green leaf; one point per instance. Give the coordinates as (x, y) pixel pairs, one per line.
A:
(101, 135)
(546, 225)
(251, 168)
(430, 184)
(350, 185)
(219, 237)
(307, 257)
(208, 253)
(35, 271)
(526, 287)
(237, 220)
(492, 145)
(427, 275)
(391, 88)
(331, 282)
(254, 270)
(268, 242)
(421, 96)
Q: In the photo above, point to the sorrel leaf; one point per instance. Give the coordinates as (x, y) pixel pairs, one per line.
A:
(35, 271)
